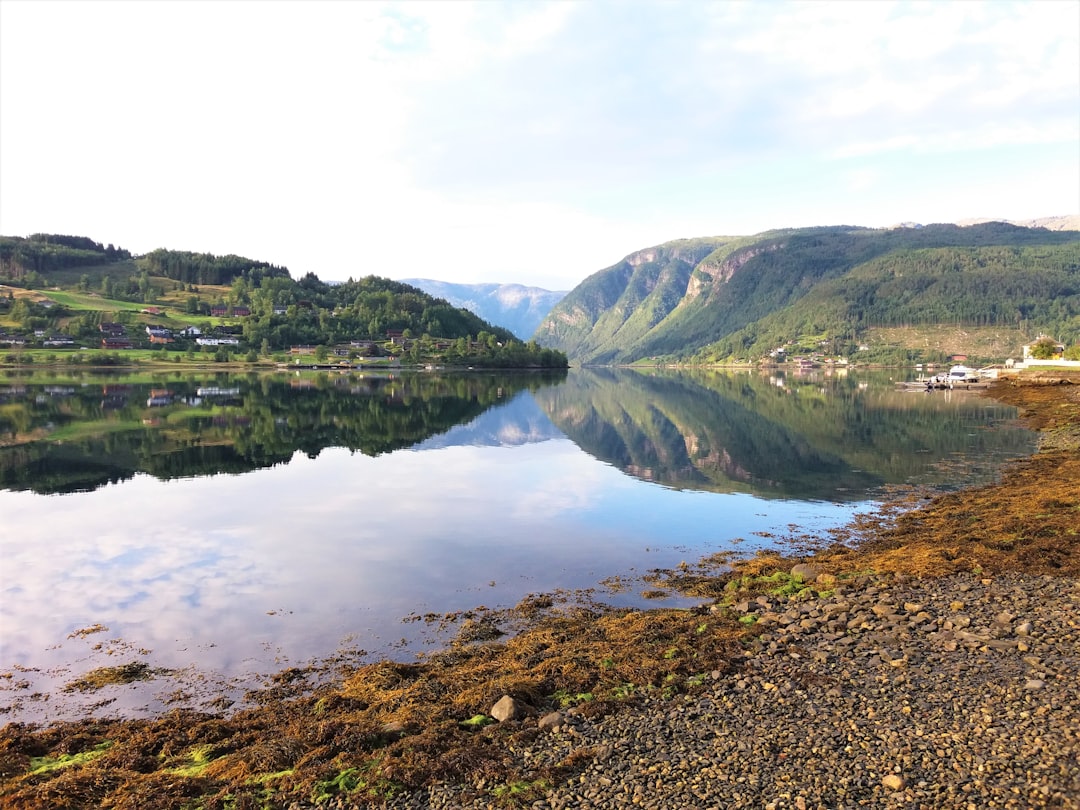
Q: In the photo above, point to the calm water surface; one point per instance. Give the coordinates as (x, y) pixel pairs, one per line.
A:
(227, 527)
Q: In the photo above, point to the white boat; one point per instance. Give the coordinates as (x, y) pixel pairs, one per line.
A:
(962, 374)
(958, 376)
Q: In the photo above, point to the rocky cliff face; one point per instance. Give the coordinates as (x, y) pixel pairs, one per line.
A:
(717, 271)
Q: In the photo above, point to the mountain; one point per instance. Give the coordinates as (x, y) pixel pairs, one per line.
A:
(517, 422)
(1067, 223)
(512, 306)
(830, 289)
(833, 438)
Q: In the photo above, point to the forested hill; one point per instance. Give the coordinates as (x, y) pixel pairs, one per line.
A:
(42, 253)
(727, 298)
(72, 290)
(205, 268)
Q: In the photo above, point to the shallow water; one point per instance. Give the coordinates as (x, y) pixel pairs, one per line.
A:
(227, 528)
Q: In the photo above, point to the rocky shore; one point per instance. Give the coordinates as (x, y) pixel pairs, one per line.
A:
(960, 692)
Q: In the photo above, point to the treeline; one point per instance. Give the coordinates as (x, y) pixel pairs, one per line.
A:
(284, 312)
(206, 268)
(41, 253)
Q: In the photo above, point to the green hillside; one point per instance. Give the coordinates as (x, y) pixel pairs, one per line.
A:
(834, 286)
(73, 294)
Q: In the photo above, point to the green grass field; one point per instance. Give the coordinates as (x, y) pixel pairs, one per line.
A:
(83, 302)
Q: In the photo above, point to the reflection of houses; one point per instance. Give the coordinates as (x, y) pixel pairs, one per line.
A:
(159, 398)
(114, 396)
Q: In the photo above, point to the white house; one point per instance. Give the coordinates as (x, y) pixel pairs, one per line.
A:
(216, 341)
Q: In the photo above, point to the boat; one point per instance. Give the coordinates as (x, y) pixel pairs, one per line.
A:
(962, 374)
(957, 377)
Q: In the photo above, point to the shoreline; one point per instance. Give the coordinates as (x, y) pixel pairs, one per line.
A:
(390, 732)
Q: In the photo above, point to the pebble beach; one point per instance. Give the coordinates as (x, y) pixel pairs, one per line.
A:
(961, 692)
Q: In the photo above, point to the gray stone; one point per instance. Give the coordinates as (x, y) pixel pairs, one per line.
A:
(552, 721)
(805, 572)
(506, 708)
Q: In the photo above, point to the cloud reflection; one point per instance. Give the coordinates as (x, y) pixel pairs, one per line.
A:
(235, 574)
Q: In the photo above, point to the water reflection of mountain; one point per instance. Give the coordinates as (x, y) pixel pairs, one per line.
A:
(830, 439)
(517, 422)
(71, 438)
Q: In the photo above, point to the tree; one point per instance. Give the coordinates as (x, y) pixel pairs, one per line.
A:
(1044, 348)
(321, 353)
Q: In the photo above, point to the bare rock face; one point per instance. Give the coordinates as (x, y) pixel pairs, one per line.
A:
(507, 709)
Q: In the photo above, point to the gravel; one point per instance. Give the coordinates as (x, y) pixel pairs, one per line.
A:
(960, 692)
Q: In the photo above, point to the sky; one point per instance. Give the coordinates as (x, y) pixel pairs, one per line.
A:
(524, 142)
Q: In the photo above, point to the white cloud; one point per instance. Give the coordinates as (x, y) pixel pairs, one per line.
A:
(308, 134)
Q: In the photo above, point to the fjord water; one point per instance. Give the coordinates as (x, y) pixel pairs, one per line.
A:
(223, 528)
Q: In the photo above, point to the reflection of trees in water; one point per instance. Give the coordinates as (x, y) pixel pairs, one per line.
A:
(809, 438)
(84, 437)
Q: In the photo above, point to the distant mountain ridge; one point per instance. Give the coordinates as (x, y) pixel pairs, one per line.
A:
(741, 297)
(515, 307)
(1066, 223)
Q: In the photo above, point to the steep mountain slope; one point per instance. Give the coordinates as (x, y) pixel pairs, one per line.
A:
(515, 307)
(675, 299)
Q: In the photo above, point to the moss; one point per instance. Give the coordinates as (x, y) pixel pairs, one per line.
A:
(52, 763)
